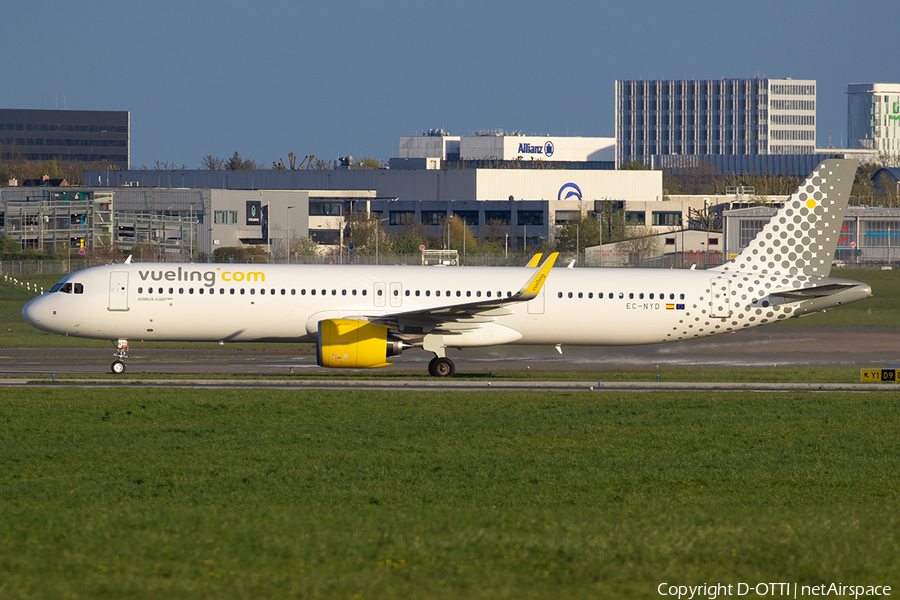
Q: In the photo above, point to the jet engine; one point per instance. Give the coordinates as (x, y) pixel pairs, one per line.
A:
(352, 344)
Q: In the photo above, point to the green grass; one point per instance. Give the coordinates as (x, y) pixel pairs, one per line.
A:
(715, 375)
(340, 494)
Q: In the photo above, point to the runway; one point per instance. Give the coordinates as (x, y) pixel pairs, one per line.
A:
(782, 346)
(453, 385)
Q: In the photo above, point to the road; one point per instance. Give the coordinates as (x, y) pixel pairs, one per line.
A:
(783, 346)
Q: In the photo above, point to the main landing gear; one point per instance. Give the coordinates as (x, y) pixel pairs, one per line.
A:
(441, 366)
(118, 366)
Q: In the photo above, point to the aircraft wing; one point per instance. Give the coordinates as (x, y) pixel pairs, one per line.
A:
(472, 312)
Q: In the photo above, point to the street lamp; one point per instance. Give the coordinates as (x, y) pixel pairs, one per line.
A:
(290, 250)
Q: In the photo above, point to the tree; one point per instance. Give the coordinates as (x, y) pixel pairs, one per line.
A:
(640, 244)
(212, 163)
(240, 254)
(236, 163)
(305, 246)
(633, 165)
(367, 162)
(700, 178)
(612, 220)
(578, 233)
(461, 237)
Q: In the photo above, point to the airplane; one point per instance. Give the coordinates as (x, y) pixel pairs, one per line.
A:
(360, 316)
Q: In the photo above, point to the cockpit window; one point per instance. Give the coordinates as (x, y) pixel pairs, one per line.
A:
(66, 288)
(79, 288)
(56, 287)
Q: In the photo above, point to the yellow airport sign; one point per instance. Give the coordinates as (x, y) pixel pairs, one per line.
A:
(876, 375)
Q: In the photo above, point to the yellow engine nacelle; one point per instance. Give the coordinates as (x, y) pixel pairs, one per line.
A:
(352, 344)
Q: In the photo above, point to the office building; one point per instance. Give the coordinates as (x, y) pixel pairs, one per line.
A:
(873, 117)
(88, 136)
(707, 119)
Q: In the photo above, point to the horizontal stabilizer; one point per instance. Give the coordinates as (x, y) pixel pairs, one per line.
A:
(813, 292)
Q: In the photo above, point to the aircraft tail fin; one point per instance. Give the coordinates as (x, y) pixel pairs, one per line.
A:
(802, 236)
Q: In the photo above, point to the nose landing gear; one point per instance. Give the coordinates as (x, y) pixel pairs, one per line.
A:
(118, 366)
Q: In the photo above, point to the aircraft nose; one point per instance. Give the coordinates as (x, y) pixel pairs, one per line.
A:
(33, 312)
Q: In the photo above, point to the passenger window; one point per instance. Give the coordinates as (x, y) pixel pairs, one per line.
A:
(651, 296)
(478, 294)
(160, 290)
(191, 290)
(407, 292)
(580, 295)
(262, 292)
(468, 294)
(231, 291)
(437, 293)
(140, 289)
(199, 290)
(631, 295)
(458, 293)
(417, 292)
(671, 296)
(353, 292)
(343, 292)
(364, 292)
(590, 295)
(570, 294)
(682, 296)
(428, 292)
(252, 291)
(334, 292)
(273, 292)
(221, 291)
(641, 295)
(294, 292)
(488, 294)
(560, 294)
(312, 292)
(396, 293)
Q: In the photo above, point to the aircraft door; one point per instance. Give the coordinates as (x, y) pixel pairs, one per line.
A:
(396, 294)
(720, 298)
(536, 305)
(118, 290)
(379, 296)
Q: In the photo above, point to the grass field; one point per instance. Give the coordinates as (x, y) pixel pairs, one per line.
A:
(157, 493)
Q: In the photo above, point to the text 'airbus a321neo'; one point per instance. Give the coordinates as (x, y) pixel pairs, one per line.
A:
(359, 316)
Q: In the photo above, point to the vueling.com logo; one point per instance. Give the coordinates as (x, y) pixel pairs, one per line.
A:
(207, 278)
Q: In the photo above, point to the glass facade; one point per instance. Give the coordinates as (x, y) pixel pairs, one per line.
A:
(713, 117)
(87, 136)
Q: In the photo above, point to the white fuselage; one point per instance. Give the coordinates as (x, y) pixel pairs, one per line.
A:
(239, 303)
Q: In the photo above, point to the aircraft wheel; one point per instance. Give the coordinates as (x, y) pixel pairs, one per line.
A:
(118, 367)
(441, 367)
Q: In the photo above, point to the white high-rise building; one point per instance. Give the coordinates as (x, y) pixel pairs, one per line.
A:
(755, 116)
(873, 117)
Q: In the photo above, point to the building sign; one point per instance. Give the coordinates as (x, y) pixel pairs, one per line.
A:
(569, 191)
(542, 150)
(254, 213)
